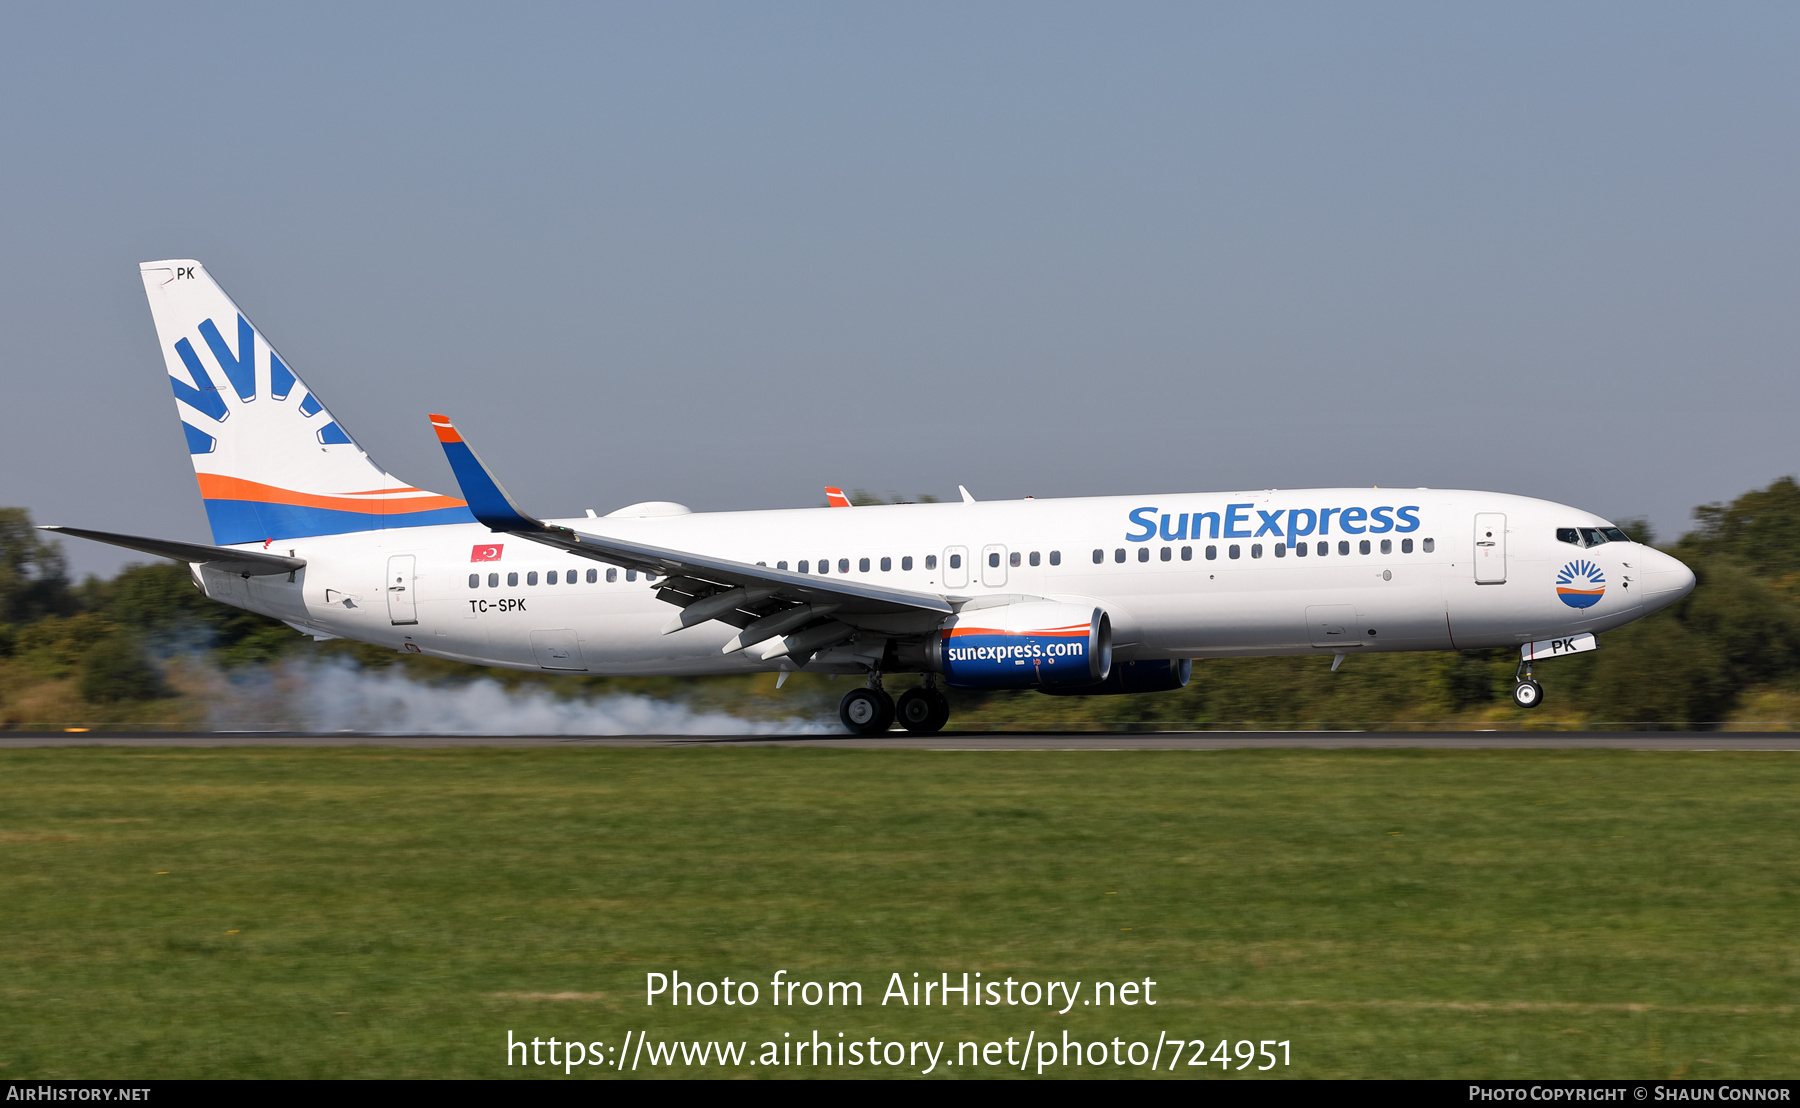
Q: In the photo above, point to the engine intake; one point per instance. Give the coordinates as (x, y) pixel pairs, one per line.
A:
(1035, 645)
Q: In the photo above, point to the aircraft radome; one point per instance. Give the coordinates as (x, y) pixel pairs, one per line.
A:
(1077, 597)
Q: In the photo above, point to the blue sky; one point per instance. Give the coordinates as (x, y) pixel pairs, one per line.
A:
(728, 254)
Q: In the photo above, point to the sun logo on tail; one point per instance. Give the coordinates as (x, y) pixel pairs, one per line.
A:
(207, 397)
(1580, 584)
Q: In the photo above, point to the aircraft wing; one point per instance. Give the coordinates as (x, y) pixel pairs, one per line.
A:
(249, 563)
(733, 592)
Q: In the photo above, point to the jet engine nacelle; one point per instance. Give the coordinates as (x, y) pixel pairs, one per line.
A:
(1147, 675)
(1034, 645)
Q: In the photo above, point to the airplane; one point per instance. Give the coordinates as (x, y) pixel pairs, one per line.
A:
(1086, 596)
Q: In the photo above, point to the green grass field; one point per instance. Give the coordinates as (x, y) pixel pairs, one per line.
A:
(394, 913)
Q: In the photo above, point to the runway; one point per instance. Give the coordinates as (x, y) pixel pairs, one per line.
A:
(1787, 742)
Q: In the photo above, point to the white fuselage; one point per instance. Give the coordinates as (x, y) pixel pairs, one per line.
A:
(1166, 598)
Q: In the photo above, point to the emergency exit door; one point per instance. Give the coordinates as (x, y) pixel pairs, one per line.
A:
(1490, 548)
(956, 567)
(993, 566)
(402, 605)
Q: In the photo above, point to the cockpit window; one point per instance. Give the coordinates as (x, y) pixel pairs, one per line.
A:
(1590, 536)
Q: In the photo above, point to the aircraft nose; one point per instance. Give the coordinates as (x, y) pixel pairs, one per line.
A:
(1664, 579)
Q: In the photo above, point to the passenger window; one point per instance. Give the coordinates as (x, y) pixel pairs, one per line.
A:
(493, 580)
(931, 561)
(804, 566)
(1167, 553)
(780, 565)
(1281, 550)
(887, 565)
(824, 565)
(512, 580)
(631, 575)
(1187, 553)
(474, 580)
(1119, 554)
(612, 575)
(1363, 547)
(1256, 550)
(1568, 535)
(1212, 553)
(550, 578)
(1428, 545)
(956, 561)
(1034, 557)
(994, 559)
(1324, 549)
(1344, 546)
(593, 575)
(531, 578)
(1406, 546)
(1143, 553)
(862, 565)
(1099, 556)
(1232, 550)
(844, 565)
(1014, 559)
(906, 562)
(1299, 550)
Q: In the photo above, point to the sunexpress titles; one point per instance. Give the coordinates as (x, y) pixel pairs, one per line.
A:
(1247, 521)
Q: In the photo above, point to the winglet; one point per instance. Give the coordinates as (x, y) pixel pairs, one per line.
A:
(487, 499)
(967, 499)
(835, 498)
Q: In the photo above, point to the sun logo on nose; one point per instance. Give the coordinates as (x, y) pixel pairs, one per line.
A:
(1580, 584)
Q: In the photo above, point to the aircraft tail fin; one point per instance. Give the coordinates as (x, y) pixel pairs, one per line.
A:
(272, 462)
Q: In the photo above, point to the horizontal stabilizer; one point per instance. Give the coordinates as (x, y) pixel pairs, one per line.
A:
(249, 563)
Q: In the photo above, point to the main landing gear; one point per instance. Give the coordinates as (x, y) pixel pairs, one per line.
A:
(867, 711)
(1527, 693)
(924, 709)
(872, 711)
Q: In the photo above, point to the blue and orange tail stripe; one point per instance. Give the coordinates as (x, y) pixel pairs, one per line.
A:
(243, 511)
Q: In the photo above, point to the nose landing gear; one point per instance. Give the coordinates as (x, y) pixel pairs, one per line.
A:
(1526, 693)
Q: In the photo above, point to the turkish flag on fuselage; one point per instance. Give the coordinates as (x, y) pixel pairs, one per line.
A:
(487, 553)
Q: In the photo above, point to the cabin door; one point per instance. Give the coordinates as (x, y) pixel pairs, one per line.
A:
(1490, 548)
(401, 596)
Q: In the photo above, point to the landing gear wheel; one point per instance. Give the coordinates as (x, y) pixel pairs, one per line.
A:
(923, 710)
(1528, 693)
(866, 711)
